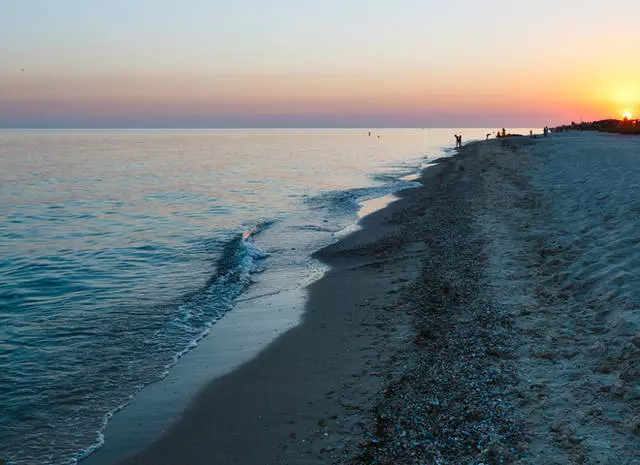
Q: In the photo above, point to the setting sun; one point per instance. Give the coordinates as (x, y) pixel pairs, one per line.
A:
(627, 115)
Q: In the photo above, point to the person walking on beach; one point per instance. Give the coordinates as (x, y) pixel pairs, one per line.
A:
(458, 140)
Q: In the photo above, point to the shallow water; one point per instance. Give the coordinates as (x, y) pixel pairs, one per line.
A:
(119, 249)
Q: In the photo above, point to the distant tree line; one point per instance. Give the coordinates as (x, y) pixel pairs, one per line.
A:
(625, 126)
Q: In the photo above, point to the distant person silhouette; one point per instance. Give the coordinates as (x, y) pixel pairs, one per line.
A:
(488, 135)
(504, 132)
(458, 140)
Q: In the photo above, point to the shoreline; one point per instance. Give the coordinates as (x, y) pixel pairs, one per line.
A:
(233, 341)
(284, 406)
(331, 409)
(329, 339)
(440, 334)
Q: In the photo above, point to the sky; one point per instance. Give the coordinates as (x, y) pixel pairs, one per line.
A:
(329, 63)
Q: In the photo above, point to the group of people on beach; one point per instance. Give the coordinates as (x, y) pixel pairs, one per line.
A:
(500, 134)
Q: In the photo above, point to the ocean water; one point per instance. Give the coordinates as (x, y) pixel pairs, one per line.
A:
(119, 250)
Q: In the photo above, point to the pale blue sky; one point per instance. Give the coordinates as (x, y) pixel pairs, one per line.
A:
(224, 36)
(65, 45)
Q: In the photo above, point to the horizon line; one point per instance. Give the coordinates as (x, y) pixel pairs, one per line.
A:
(133, 128)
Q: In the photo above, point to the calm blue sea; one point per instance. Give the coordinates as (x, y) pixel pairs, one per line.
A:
(119, 249)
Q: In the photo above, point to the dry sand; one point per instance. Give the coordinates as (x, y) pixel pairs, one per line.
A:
(488, 317)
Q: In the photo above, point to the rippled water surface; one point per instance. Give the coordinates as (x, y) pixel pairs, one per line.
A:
(118, 249)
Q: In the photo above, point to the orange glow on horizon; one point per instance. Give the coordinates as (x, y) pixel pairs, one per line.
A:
(627, 115)
(548, 95)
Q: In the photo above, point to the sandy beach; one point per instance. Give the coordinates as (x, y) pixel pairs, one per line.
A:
(487, 317)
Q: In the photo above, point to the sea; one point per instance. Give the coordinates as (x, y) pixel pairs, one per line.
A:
(121, 249)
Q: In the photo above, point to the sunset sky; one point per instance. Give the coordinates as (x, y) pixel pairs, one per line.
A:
(330, 63)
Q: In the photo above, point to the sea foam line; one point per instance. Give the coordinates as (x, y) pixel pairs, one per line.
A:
(250, 253)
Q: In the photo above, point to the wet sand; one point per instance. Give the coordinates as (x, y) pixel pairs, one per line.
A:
(453, 328)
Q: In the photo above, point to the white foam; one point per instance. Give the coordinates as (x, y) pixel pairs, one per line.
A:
(250, 254)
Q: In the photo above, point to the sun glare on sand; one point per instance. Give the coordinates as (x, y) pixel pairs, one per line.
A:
(627, 115)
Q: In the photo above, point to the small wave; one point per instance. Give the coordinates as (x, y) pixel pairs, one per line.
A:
(198, 312)
(350, 201)
(312, 227)
(89, 450)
